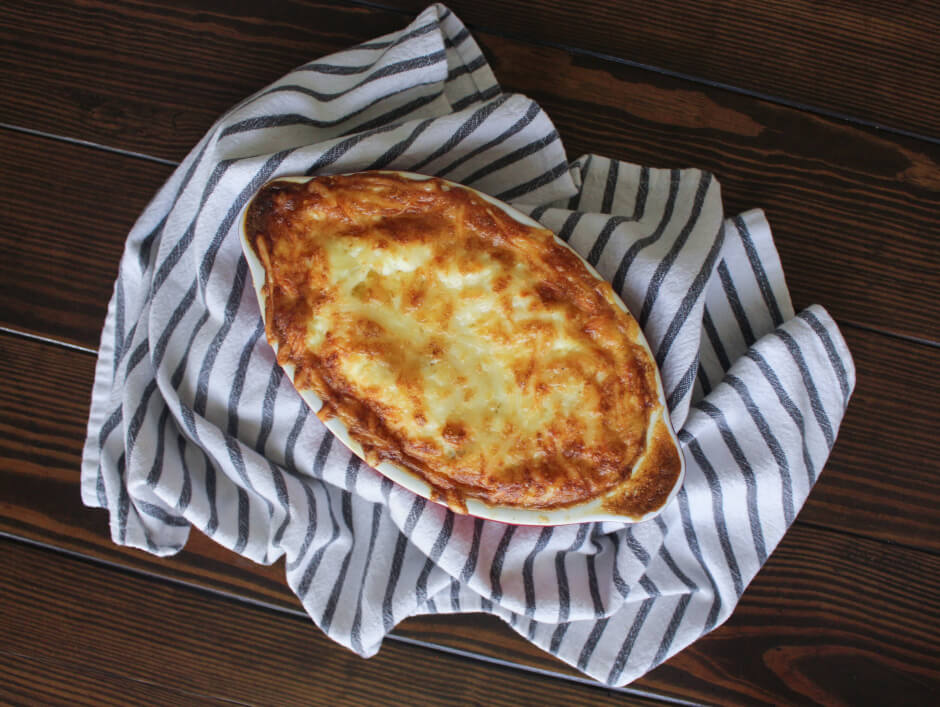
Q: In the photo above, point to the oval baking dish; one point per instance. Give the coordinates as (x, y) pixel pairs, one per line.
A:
(657, 469)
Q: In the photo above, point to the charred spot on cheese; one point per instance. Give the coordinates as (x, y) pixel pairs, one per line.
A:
(457, 343)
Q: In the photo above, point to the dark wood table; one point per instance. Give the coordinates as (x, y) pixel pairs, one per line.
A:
(827, 115)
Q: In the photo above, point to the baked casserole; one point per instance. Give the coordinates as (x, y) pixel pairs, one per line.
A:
(461, 344)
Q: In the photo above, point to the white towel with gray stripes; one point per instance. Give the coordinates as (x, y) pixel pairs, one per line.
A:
(193, 424)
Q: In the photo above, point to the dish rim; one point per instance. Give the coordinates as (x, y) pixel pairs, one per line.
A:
(585, 512)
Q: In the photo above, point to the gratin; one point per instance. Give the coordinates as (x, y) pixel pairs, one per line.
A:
(461, 343)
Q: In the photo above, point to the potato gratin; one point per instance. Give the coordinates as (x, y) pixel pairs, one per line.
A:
(460, 344)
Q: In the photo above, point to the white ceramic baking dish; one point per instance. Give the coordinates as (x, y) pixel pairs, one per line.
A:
(592, 510)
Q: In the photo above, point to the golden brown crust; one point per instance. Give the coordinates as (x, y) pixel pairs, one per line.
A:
(459, 344)
(653, 478)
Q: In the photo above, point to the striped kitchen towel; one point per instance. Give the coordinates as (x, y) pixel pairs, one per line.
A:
(193, 424)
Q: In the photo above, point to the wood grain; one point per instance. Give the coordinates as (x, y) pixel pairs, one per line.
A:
(813, 570)
(883, 478)
(830, 619)
(66, 212)
(110, 622)
(152, 76)
(26, 680)
(874, 61)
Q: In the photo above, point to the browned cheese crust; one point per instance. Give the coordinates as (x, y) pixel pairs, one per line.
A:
(459, 344)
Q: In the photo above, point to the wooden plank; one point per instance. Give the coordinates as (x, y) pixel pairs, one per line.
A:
(73, 613)
(884, 73)
(871, 60)
(152, 77)
(883, 478)
(66, 212)
(830, 619)
(881, 481)
(26, 680)
(881, 227)
(42, 426)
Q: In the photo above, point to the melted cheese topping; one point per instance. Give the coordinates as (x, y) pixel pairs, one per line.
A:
(451, 340)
